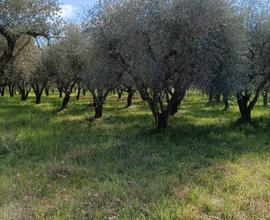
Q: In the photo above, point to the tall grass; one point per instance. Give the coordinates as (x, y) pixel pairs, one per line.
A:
(58, 165)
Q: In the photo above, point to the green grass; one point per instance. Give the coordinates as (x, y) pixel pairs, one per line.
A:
(57, 165)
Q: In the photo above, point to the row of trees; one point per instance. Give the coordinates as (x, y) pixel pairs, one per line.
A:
(160, 49)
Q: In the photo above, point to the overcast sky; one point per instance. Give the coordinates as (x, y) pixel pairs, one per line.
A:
(71, 8)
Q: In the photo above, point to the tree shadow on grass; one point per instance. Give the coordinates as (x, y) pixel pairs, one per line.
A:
(176, 145)
(122, 150)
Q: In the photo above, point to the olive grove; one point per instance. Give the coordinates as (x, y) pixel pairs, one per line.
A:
(159, 49)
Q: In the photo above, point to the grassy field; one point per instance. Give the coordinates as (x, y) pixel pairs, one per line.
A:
(57, 165)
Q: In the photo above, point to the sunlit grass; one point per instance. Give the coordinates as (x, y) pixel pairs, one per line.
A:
(58, 165)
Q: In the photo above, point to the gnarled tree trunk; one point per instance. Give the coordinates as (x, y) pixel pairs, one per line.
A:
(24, 95)
(60, 90)
(160, 112)
(98, 111)
(130, 96)
(2, 90)
(24, 92)
(265, 97)
(68, 90)
(47, 91)
(244, 107)
(79, 92)
(226, 101)
(99, 98)
(38, 90)
(246, 103)
(162, 120)
(119, 93)
(65, 100)
(38, 98)
(11, 90)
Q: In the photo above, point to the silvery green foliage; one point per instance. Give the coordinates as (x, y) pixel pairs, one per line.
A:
(26, 63)
(101, 74)
(256, 15)
(66, 56)
(158, 43)
(25, 17)
(226, 47)
(255, 74)
(41, 75)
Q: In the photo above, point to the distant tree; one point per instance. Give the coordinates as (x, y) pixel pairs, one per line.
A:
(256, 75)
(11, 82)
(25, 65)
(41, 75)
(79, 89)
(225, 47)
(100, 74)
(265, 94)
(67, 57)
(127, 84)
(3, 84)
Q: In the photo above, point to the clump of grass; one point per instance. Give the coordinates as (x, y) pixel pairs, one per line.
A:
(9, 144)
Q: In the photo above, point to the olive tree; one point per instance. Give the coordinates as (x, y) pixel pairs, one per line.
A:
(158, 43)
(127, 85)
(255, 77)
(265, 94)
(66, 59)
(100, 73)
(24, 18)
(225, 44)
(41, 75)
(25, 65)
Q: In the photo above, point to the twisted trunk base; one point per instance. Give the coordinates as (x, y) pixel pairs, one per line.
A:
(65, 101)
